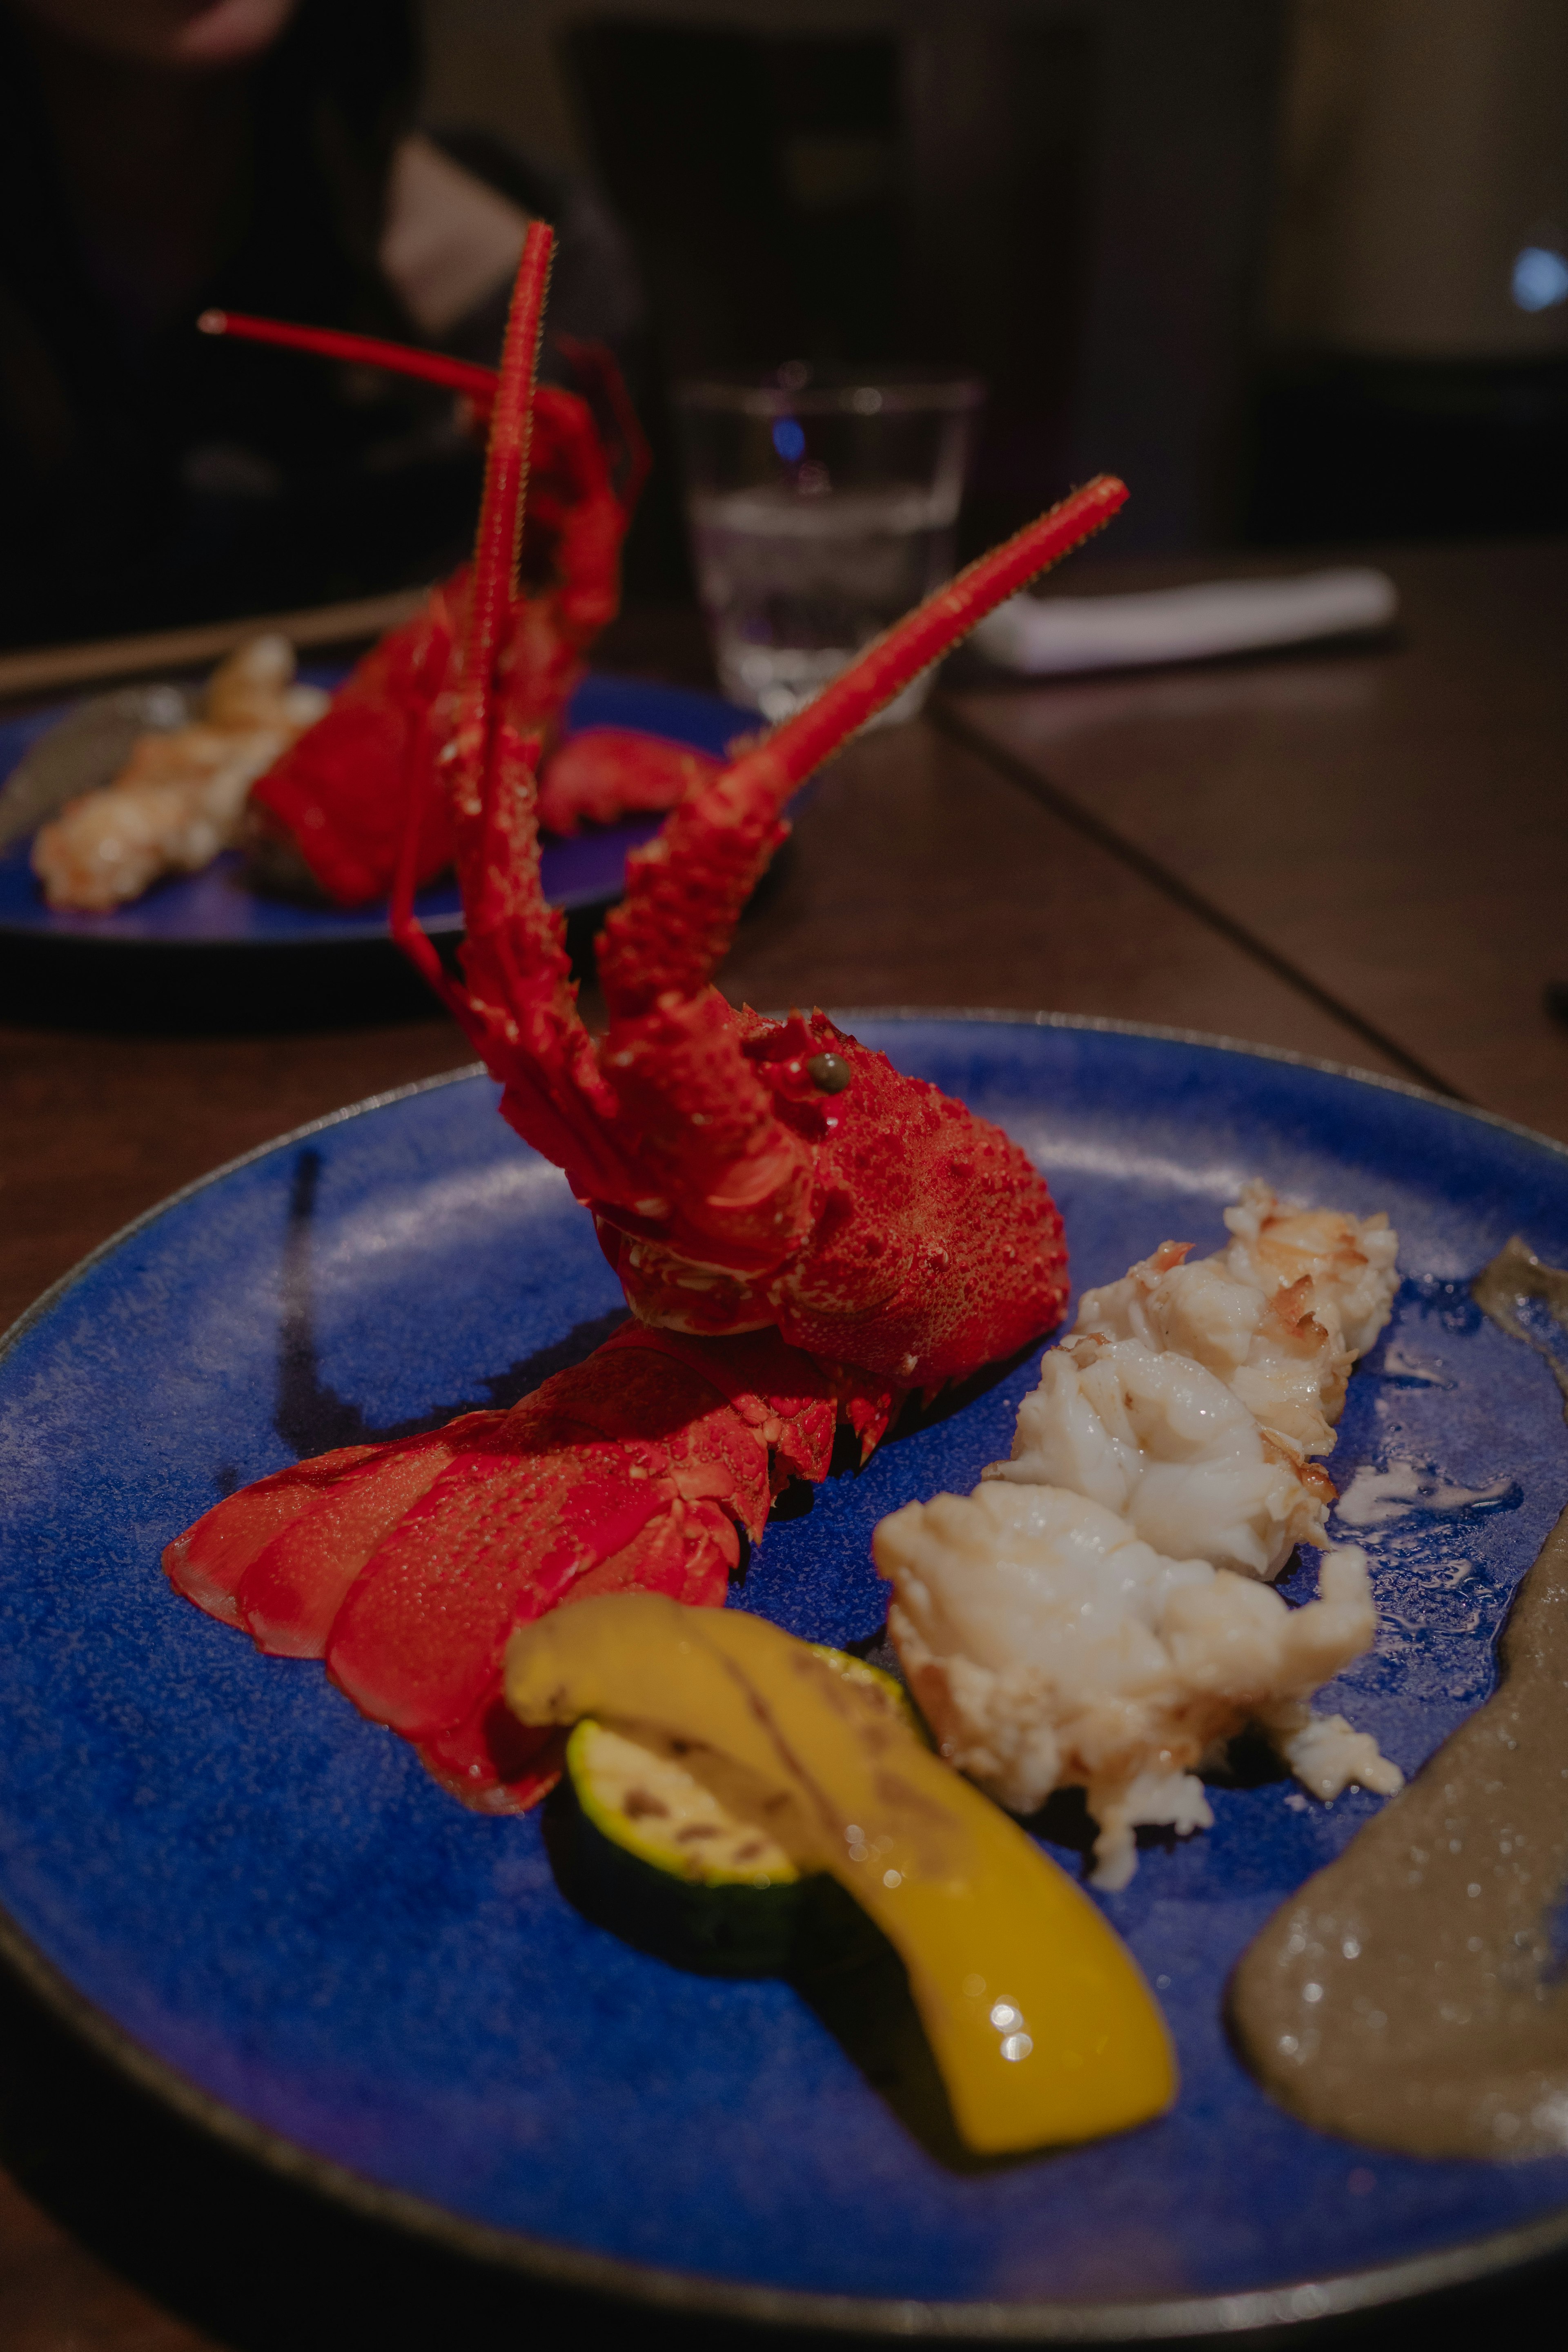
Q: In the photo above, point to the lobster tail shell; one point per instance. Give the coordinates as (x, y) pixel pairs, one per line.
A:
(405, 1566)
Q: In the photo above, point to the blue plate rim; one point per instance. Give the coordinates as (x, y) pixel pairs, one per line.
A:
(658, 2287)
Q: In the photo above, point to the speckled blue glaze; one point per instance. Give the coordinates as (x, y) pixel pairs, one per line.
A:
(268, 1894)
(215, 908)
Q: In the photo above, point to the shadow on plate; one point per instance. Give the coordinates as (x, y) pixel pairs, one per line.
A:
(311, 1417)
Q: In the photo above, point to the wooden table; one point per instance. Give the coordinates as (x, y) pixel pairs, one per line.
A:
(1352, 854)
(1388, 825)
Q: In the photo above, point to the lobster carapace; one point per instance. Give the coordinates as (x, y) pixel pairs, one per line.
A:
(805, 1237)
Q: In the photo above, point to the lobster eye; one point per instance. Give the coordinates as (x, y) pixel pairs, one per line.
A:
(829, 1073)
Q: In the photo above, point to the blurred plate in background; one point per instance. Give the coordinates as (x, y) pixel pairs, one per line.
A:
(202, 951)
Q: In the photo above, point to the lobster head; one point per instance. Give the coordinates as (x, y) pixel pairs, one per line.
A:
(878, 1223)
(742, 1173)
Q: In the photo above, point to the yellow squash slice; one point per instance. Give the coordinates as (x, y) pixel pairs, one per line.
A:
(1039, 2020)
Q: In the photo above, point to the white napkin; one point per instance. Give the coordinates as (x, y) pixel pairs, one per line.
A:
(1057, 634)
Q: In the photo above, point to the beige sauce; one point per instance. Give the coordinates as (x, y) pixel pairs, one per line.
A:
(1501, 1288)
(1402, 1996)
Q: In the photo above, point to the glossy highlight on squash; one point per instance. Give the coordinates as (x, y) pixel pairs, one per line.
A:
(1038, 2017)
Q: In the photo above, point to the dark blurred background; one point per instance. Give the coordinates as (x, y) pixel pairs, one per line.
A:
(1294, 268)
(1261, 256)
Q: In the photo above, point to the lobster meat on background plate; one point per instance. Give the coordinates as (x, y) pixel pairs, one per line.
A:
(804, 1237)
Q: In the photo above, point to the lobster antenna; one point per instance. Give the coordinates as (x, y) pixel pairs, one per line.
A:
(499, 543)
(895, 659)
(489, 602)
(685, 892)
(476, 384)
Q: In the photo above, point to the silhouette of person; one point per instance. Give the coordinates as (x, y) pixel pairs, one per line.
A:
(160, 156)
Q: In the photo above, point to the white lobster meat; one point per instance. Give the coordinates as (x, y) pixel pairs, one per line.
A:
(1279, 1316)
(1162, 1442)
(1191, 1397)
(1097, 1613)
(180, 796)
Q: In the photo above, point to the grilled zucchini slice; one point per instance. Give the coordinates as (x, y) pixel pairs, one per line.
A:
(677, 1850)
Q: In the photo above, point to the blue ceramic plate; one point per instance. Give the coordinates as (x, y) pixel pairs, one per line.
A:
(367, 1976)
(215, 909)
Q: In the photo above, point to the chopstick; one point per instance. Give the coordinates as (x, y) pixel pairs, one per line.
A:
(173, 649)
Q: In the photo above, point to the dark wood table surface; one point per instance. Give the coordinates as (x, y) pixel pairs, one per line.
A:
(1350, 852)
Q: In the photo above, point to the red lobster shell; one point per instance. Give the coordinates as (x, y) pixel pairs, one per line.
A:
(339, 796)
(805, 1237)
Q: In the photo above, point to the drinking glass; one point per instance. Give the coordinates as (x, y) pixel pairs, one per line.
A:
(822, 507)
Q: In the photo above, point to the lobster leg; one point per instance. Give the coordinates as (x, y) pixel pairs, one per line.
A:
(606, 772)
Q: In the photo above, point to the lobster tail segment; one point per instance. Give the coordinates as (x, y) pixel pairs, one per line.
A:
(405, 1566)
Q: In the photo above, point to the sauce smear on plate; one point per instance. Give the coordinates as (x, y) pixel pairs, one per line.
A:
(1408, 1995)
